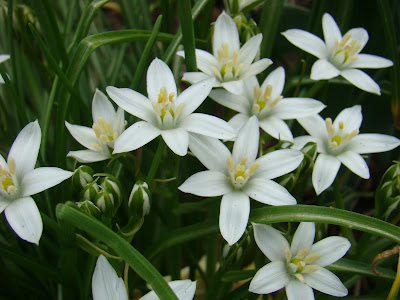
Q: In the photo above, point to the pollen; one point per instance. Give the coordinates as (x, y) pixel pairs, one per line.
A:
(338, 136)
(240, 174)
(263, 101)
(7, 177)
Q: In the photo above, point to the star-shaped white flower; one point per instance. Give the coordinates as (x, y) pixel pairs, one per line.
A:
(267, 104)
(106, 285)
(340, 142)
(339, 55)
(108, 125)
(19, 180)
(230, 64)
(240, 175)
(3, 58)
(298, 267)
(166, 113)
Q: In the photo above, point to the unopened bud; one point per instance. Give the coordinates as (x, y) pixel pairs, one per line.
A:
(89, 208)
(388, 193)
(140, 200)
(112, 185)
(90, 191)
(82, 176)
(105, 201)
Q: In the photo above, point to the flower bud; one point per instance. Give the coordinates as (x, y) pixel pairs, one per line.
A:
(82, 177)
(89, 208)
(112, 185)
(105, 201)
(140, 200)
(90, 191)
(388, 194)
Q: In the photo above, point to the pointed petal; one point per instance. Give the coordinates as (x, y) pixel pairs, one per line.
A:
(88, 156)
(25, 148)
(207, 184)
(102, 108)
(325, 169)
(236, 102)
(351, 118)
(270, 278)
(369, 61)
(292, 108)
(4, 57)
(361, 80)
(233, 216)
(193, 77)
(277, 80)
(323, 69)
(177, 140)
(83, 135)
(315, 126)
(271, 242)
(373, 143)
(225, 31)
(359, 34)
(276, 128)
(255, 68)
(326, 282)
(24, 218)
(238, 121)
(106, 285)
(300, 141)
(306, 41)
(298, 290)
(331, 249)
(205, 61)
(235, 86)
(3, 203)
(246, 144)
(119, 121)
(136, 136)
(158, 76)
(268, 192)
(248, 89)
(208, 125)
(184, 290)
(331, 31)
(212, 153)
(355, 162)
(303, 237)
(278, 163)
(249, 50)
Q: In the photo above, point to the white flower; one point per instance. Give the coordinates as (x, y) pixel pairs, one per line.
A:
(267, 103)
(3, 58)
(240, 175)
(298, 267)
(19, 180)
(230, 64)
(340, 142)
(106, 285)
(166, 113)
(242, 4)
(107, 127)
(339, 55)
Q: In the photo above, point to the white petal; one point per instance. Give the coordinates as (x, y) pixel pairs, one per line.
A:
(303, 237)
(300, 141)
(315, 126)
(83, 135)
(255, 68)
(246, 144)
(268, 192)
(24, 218)
(248, 90)
(323, 69)
(369, 61)
(331, 30)
(177, 140)
(361, 80)
(119, 121)
(106, 285)
(276, 128)
(3, 203)
(207, 184)
(136, 136)
(355, 162)
(4, 57)
(306, 41)
(278, 163)
(235, 86)
(331, 249)
(351, 118)
(277, 80)
(41, 179)
(193, 77)
(238, 121)
(212, 153)
(359, 34)
(293, 108)
(159, 75)
(25, 148)
(249, 50)
(193, 96)
(88, 156)
(270, 278)
(134, 103)
(236, 102)
(326, 282)
(205, 61)
(271, 242)
(103, 108)
(208, 125)
(184, 290)
(225, 31)
(234, 215)
(296, 290)
(373, 143)
(325, 169)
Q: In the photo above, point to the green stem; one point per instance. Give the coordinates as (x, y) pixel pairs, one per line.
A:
(396, 284)
(156, 161)
(315, 88)
(188, 35)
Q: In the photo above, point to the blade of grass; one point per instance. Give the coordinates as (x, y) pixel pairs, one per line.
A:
(187, 34)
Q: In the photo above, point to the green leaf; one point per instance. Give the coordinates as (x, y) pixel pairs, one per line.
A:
(188, 35)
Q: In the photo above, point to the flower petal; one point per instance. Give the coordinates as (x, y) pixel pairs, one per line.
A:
(106, 285)
(83, 135)
(235, 86)
(193, 77)
(102, 108)
(326, 282)
(136, 136)
(4, 57)
(204, 61)
(206, 184)
(268, 192)
(369, 61)
(270, 278)
(300, 141)
(24, 218)
(303, 237)
(373, 143)
(255, 68)
(236, 102)
(361, 80)
(292, 108)
(249, 50)
(359, 34)
(238, 121)
(177, 140)
(88, 156)
(3, 203)
(351, 118)
(25, 149)
(315, 126)
(234, 215)
(159, 75)
(323, 69)
(355, 162)
(325, 169)
(246, 144)
(277, 80)
(276, 128)
(119, 121)
(299, 290)
(184, 290)
(331, 30)
(330, 249)
(278, 163)
(271, 242)
(306, 41)
(225, 31)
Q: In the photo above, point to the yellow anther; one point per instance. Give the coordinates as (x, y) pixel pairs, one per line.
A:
(179, 109)
(103, 139)
(337, 139)
(237, 71)
(345, 39)
(235, 57)
(341, 125)
(217, 73)
(312, 257)
(240, 180)
(96, 146)
(243, 160)
(97, 130)
(220, 55)
(225, 49)
(254, 167)
(329, 127)
(228, 67)
(310, 269)
(303, 252)
(257, 92)
(267, 93)
(11, 189)
(288, 254)
(156, 108)
(171, 97)
(7, 182)
(11, 165)
(334, 145)
(256, 108)
(229, 162)
(275, 102)
(299, 277)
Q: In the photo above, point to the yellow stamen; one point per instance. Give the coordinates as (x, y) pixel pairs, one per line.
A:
(229, 162)
(11, 165)
(312, 257)
(288, 254)
(310, 269)
(303, 252)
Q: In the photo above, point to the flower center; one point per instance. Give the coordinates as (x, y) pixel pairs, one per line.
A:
(166, 104)
(239, 175)
(346, 50)
(7, 178)
(104, 133)
(301, 262)
(262, 101)
(338, 137)
(228, 67)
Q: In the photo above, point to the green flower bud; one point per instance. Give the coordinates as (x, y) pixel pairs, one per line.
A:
(388, 193)
(112, 185)
(89, 208)
(90, 191)
(82, 177)
(105, 201)
(140, 200)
